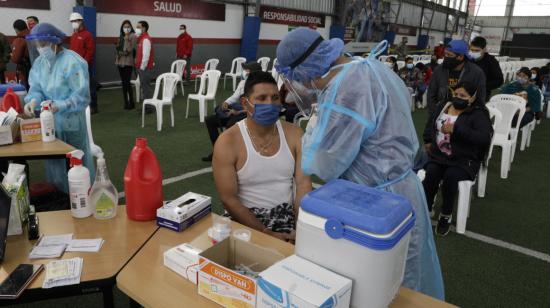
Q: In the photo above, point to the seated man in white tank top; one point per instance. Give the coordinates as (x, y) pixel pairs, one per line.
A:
(256, 163)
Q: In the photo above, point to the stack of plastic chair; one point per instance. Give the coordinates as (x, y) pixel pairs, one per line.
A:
(236, 71)
(138, 89)
(96, 150)
(178, 67)
(416, 58)
(168, 81)
(210, 65)
(264, 61)
(413, 98)
(207, 91)
(505, 136)
(542, 102)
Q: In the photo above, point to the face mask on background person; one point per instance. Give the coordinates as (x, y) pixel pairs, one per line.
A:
(182, 31)
(522, 80)
(410, 66)
(459, 103)
(75, 25)
(474, 55)
(127, 30)
(533, 76)
(265, 114)
(138, 31)
(389, 64)
(450, 63)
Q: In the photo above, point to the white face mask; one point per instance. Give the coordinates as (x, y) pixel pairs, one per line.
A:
(127, 30)
(138, 31)
(533, 76)
(182, 31)
(410, 66)
(389, 64)
(48, 53)
(475, 55)
(75, 25)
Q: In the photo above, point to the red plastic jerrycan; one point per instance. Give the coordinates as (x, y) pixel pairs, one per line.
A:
(11, 100)
(143, 183)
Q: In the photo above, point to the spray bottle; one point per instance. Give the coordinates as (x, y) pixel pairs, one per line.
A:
(104, 196)
(48, 125)
(79, 185)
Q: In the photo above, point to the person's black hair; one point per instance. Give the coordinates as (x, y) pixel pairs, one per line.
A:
(183, 26)
(122, 27)
(479, 41)
(33, 17)
(144, 24)
(408, 58)
(256, 78)
(525, 70)
(536, 69)
(544, 70)
(420, 66)
(20, 25)
(469, 87)
(393, 59)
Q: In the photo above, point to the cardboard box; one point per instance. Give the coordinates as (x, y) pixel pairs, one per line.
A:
(223, 285)
(184, 260)
(183, 212)
(31, 130)
(9, 133)
(299, 283)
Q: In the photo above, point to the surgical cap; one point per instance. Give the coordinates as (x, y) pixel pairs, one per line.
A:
(46, 32)
(304, 55)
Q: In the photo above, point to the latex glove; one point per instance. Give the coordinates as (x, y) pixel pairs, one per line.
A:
(29, 108)
(50, 104)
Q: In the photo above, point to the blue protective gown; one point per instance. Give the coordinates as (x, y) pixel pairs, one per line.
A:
(365, 134)
(65, 81)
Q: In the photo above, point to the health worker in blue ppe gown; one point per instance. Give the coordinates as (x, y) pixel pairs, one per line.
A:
(360, 130)
(59, 78)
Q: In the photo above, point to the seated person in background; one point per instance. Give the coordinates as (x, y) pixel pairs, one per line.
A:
(413, 78)
(536, 77)
(392, 63)
(257, 163)
(529, 92)
(426, 77)
(231, 111)
(545, 80)
(457, 138)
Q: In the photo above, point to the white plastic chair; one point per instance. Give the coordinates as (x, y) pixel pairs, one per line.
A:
(264, 61)
(505, 135)
(138, 88)
(383, 58)
(168, 81)
(96, 150)
(400, 64)
(236, 71)
(210, 65)
(178, 67)
(413, 98)
(207, 91)
(496, 116)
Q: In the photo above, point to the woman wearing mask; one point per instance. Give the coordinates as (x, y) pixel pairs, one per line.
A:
(391, 62)
(523, 88)
(536, 77)
(459, 135)
(125, 49)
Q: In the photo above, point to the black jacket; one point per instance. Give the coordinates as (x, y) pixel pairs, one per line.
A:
(493, 74)
(470, 140)
(439, 84)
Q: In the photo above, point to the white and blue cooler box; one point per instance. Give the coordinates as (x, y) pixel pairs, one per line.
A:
(358, 232)
(19, 89)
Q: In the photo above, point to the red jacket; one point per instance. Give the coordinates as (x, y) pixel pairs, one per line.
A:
(184, 45)
(139, 53)
(439, 52)
(82, 42)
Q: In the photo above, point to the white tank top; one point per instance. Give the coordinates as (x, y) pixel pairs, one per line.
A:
(266, 181)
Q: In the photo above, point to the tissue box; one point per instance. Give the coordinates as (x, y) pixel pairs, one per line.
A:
(9, 133)
(184, 260)
(225, 286)
(299, 283)
(183, 212)
(31, 130)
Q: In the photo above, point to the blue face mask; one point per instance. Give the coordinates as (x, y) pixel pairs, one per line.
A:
(266, 114)
(410, 66)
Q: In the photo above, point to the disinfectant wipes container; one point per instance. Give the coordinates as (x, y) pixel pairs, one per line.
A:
(358, 232)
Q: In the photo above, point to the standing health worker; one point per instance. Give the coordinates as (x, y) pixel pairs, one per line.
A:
(59, 77)
(363, 134)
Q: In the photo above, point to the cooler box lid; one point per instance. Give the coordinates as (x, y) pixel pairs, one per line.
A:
(378, 214)
(15, 86)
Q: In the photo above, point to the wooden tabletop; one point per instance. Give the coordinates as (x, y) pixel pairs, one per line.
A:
(150, 283)
(123, 238)
(35, 148)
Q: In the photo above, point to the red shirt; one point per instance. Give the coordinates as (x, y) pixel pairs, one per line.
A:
(184, 45)
(427, 75)
(139, 54)
(82, 42)
(439, 52)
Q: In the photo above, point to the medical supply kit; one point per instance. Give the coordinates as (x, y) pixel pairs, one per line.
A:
(183, 212)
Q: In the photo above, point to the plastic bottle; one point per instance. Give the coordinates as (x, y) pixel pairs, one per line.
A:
(104, 196)
(47, 125)
(79, 186)
(11, 100)
(142, 183)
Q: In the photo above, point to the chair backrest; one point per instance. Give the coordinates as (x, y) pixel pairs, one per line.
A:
(495, 115)
(508, 105)
(168, 81)
(264, 61)
(212, 77)
(237, 65)
(274, 64)
(383, 58)
(178, 67)
(400, 64)
(211, 64)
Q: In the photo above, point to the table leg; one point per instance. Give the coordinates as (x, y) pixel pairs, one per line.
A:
(133, 303)
(108, 298)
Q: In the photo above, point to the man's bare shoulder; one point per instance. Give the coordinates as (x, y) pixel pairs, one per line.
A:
(292, 131)
(228, 140)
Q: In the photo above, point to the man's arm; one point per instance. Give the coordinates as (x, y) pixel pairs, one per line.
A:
(89, 49)
(495, 78)
(17, 50)
(303, 182)
(146, 54)
(225, 177)
(433, 90)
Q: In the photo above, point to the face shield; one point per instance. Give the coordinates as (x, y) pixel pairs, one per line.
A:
(304, 97)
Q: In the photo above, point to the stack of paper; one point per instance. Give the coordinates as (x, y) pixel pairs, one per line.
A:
(63, 273)
(51, 246)
(92, 245)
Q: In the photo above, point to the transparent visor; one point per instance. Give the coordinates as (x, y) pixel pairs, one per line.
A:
(38, 44)
(304, 97)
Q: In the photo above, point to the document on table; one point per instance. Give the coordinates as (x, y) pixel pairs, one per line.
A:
(63, 273)
(51, 246)
(86, 245)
